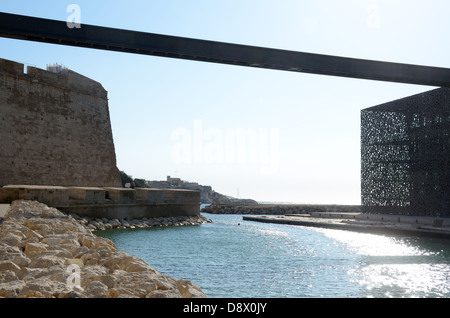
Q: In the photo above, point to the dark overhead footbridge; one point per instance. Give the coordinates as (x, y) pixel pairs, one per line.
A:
(103, 38)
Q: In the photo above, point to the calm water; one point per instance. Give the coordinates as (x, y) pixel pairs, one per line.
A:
(270, 260)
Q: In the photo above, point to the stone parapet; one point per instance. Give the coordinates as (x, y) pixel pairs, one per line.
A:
(132, 210)
(11, 67)
(150, 195)
(121, 195)
(180, 195)
(108, 202)
(52, 195)
(66, 79)
(87, 195)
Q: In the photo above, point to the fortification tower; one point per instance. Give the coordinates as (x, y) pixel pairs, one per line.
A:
(55, 129)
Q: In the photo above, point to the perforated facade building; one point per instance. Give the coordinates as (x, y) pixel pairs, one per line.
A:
(405, 155)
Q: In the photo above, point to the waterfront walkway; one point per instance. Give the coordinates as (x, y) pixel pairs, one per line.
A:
(367, 223)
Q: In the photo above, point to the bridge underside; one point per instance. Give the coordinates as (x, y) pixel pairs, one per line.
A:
(103, 38)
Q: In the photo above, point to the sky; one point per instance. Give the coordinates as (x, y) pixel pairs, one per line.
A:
(250, 133)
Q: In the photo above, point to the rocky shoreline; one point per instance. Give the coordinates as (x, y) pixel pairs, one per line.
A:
(48, 254)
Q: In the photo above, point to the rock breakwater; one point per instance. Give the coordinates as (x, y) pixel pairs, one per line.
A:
(277, 209)
(46, 253)
(97, 224)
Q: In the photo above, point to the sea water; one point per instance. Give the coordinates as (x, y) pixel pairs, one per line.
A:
(232, 258)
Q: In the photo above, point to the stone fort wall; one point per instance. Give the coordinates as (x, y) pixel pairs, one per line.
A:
(55, 129)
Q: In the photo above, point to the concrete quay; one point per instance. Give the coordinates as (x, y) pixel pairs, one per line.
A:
(109, 202)
(365, 223)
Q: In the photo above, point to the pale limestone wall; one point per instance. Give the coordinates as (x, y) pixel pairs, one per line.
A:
(55, 129)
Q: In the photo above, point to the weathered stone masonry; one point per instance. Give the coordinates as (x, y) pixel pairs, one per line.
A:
(55, 129)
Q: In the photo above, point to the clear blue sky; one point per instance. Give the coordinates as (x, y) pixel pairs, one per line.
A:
(175, 117)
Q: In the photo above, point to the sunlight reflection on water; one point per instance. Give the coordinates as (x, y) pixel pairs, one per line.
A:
(372, 245)
(391, 267)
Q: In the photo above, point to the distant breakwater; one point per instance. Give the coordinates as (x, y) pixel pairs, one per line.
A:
(278, 209)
